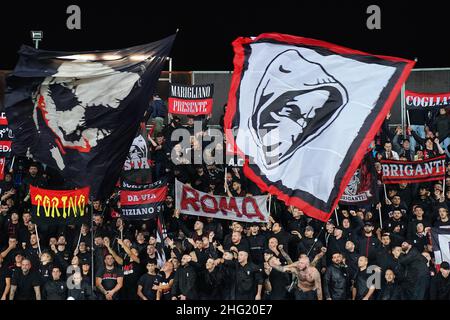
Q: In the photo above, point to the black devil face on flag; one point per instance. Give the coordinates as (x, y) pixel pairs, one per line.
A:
(306, 111)
(295, 101)
(79, 112)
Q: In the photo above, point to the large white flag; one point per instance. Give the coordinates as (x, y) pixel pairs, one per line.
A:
(306, 111)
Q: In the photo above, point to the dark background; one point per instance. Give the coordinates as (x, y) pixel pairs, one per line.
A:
(409, 29)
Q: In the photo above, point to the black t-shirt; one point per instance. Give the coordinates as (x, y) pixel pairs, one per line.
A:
(163, 280)
(9, 260)
(25, 285)
(147, 281)
(109, 277)
(4, 273)
(131, 271)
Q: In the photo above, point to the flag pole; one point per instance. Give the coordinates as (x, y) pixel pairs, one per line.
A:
(79, 237)
(12, 164)
(92, 246)
(381, 219)
(385, 192)
(336, 215)
(443, 186)
(38, 240)
(270, 202)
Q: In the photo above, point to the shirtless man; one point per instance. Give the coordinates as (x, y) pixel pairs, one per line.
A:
(309, 285)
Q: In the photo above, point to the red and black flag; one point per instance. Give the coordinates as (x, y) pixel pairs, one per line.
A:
(143, 202)
(306, 111)
(66, 207)
(161, 235)
(362, 188)
(79, 112)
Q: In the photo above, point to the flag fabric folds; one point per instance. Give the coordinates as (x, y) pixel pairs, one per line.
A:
(78, 112)
(306, 110)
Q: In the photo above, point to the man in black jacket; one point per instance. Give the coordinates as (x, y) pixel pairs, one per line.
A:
(390, 289)
(308, 245)
(336, 280)
(213, 281)
(249, 279)
(416, 282)
(258, 244)
(55, 289)
(361, 288)
(440, 283)
(185, 282)
(368, 244)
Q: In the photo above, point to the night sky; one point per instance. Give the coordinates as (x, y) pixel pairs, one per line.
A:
(409, 30)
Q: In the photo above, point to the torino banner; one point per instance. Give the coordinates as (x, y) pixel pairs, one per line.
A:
(197, 203)
(139, 203)
(59, 206)
(413, 171)
(191, 100)
(415, 100)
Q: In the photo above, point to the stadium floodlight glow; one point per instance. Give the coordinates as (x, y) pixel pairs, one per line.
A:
(111, 57)
(37, 36)
(138, 57)
(81, 57)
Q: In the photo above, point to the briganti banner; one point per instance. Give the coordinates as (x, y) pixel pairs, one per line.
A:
(193, 100)
(59, 206)
(196, 203)
(413, 171)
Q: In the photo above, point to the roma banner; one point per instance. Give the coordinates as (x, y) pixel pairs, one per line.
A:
(191, 100)
(394, 171)
(143, 203)
(196, 203)
(59, 206)
(78, 112)
(362, 187)
(425, 101)
(440, 241)
(306, 111)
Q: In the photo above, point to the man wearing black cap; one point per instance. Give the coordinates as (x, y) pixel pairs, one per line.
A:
(368, 244)
(440, 283)
(424, 199)
(308, 245)
(257, 243)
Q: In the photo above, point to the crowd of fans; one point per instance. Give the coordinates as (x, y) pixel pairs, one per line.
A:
(291, 257)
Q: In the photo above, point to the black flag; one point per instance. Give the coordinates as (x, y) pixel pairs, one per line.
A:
(79, 112)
